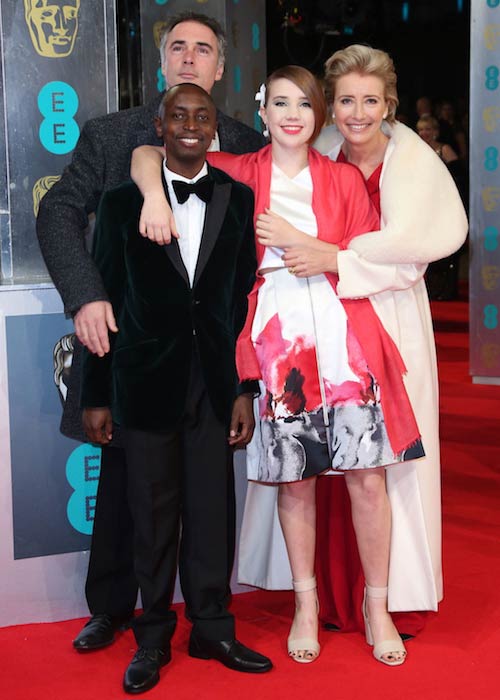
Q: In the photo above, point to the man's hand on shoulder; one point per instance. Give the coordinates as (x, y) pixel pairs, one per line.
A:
(93, 321)
(98, 425)
(242, 421)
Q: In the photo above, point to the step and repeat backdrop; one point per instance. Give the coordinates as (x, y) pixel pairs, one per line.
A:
(58, 69)
(484, 285)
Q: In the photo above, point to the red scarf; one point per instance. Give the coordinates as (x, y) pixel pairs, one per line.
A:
(343, 210)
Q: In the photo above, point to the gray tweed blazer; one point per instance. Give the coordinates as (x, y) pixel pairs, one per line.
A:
(101, 161)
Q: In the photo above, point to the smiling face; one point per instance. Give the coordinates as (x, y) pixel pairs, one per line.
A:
(359, 107)
(187, 127)
(427, 133)
(288, 114)
(191, 55)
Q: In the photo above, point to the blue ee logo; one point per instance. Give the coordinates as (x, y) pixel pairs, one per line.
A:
(82, 472)
(58, 103)
(491, 158)
(491, 236)
(490, 318)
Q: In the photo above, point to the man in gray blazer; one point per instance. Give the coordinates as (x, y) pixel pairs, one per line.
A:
(192, 50)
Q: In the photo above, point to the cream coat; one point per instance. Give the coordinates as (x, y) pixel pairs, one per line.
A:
(422, 220)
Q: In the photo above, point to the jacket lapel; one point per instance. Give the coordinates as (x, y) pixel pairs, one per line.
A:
(172, 249)
(214, 218)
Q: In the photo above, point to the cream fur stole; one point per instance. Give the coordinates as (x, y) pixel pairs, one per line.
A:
(423, 218)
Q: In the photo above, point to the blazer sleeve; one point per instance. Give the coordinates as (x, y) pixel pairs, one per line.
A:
(108, 253)
(63, 219)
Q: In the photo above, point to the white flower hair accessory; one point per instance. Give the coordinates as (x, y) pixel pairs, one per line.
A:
(261, 96)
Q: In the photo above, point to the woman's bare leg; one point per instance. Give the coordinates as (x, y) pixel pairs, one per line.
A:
(371, 515)
(297, 514)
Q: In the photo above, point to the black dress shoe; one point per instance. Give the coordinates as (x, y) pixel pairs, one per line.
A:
(99, 632)
(231, 653)
(143, 672)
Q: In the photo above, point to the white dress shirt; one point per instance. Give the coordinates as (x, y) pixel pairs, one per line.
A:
(189, 219)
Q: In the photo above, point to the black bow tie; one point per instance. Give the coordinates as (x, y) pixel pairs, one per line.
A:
(202, 188)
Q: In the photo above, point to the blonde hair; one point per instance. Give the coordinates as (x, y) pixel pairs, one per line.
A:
(427, 120)
(358, 58)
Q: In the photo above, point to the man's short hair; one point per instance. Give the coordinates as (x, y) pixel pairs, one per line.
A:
(166, 97)
(190, 16)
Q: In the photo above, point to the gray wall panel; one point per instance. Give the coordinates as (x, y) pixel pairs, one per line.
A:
(485, 189)
(56, 76)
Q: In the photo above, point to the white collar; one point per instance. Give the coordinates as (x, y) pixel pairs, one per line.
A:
(170, 175)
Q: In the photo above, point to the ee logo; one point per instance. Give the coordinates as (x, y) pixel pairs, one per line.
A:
(491, 158)
(490, 318)
(491, 82)
(255, 36)
(82, 472)
(160, 81)
(58, 104)
(491, 236)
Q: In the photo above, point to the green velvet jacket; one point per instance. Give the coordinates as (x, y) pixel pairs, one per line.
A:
(144, 378)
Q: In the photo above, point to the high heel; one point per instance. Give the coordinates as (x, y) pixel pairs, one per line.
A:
(388, 647)
(309, 647)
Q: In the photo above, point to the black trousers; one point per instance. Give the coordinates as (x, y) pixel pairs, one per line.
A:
(111, 585)
(182, 477)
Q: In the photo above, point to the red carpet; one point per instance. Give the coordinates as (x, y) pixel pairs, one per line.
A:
(456, 657)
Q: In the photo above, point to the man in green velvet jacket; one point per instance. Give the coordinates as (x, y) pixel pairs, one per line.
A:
(170, 382)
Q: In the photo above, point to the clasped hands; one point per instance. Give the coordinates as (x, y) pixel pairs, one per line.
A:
(303, 255)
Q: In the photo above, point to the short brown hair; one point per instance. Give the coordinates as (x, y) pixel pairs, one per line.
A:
(311, 88)
(365, 60)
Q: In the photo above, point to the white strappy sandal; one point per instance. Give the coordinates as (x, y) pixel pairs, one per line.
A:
(307, 646)
(388, 647)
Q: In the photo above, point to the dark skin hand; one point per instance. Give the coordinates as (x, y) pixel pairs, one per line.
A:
(98, 425)
(242, 421)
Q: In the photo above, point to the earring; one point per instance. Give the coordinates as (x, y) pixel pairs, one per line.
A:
(265, 133)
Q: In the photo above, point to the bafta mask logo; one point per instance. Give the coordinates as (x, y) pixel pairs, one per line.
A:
(158, 29)
(491, 198)
(40, 188)
(490, 355)
(491, 118)
(53, 25)
(63, 359)
(491, 36)
(490, 275)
